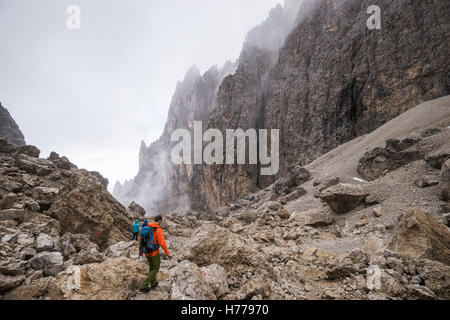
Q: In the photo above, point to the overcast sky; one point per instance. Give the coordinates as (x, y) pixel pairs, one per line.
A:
(93, 94)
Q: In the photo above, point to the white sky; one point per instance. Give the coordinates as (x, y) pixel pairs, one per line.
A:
(95, 93)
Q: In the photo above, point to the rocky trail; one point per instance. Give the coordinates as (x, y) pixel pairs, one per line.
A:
(316, 233)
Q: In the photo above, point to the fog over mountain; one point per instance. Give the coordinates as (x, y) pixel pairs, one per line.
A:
(93, 94)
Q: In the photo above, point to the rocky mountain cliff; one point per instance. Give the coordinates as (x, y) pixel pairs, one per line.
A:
(9, 129)
(331, 80)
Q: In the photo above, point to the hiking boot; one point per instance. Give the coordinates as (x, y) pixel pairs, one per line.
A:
(153, 287)
(146, 290)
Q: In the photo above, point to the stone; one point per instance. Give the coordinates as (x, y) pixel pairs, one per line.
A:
(309, 254)
(136, 209)
(10, 238)
(27, 253)
(12, 268)
(343, 198)
(437, 159)
(8, 283)
(51, 263)
(8, 201)
(445, 181)
(12, 214)
(44, 242)
(188, 283)
(25, 239)
(426, 182)
(88, 256)
(212, 244)
(44, 195)
(30, 151)
(316, 218)
(329, 183)
(378, 212)
(420, 236)
(216, 277)
(253, 288)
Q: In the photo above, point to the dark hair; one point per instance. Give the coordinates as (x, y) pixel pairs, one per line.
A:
(158, 219)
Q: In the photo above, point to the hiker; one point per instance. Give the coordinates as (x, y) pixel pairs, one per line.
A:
(135, 229)
(152, 237)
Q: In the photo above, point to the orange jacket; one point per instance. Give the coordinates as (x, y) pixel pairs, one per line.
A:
(159, 238)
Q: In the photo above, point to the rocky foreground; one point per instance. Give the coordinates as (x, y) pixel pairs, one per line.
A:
(365, 224)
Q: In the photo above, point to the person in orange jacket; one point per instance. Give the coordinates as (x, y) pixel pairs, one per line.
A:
(154, 258)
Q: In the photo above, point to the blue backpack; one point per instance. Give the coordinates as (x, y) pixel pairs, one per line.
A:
(147, 240)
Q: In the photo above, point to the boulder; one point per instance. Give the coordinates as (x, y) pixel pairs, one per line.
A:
(114, 279)
(420, 236)
(216, 277)
(445, 181)
(136, 210)
(8, 201)
(44, 242)
(45, 196)
(25, 239)
(123, 249)
(426, 182)
(51, 263)
(8, 283)
(27, 253)
(86, 207)
(12, 268)
(316, 218)
(396, 154)
(30, 151)
(189, 283)
(438, 158)
(329, 183)
(88, 256)
(238, 254)
(12, 214)
(343, 198)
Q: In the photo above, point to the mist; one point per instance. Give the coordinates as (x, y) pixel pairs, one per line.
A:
(94, 94)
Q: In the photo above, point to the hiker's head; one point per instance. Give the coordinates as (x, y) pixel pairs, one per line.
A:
(145, 223)
(137, 221)
(158, 219)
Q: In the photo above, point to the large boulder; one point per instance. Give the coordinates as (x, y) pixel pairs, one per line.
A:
(216, 277)
(420, 236)
(44, 242)
(445, 181)
(86, 207)
(51, 263)
(189, 283)
(114, 279)
(8, 283)
(136, 210)
(343, 197)
(238, 254)
(313, 218)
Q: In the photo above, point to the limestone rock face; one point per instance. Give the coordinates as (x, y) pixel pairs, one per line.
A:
(343, 197)
(289, 77)
(420, 236)
(9, 129)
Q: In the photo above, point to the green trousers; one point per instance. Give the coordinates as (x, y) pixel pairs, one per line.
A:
(153, 267)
